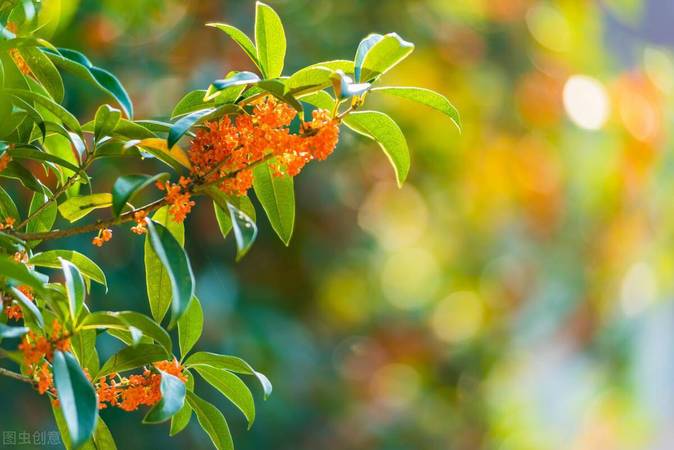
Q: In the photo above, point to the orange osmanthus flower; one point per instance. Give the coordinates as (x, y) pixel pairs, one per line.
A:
(102, 237)
(140, 227)
(178, 197)
(224, 150)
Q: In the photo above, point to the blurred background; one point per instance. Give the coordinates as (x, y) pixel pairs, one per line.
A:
(515, 294)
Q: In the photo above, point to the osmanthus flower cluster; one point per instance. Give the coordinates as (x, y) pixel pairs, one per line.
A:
(246, 131)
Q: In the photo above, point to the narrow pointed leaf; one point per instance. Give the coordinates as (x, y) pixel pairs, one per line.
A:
(270, 40)
(381, 128)
(245, 230)
(190, 326)
(277, 196)
(127, 186)
(88, 268)
(172, 399)
(75, 289)
(183, 125)
(382, 56)
(232, 388)
(177, 265)
(240, 38)
(212, 421)
(77, 398)
(426, 97)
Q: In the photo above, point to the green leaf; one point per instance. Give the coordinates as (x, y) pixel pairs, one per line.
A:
(270, 40)
(88, 268)
(232, 79)
(7, 206)
(28, 307)
(20, 273)
(128, 320)
(172, 399)
(75, 208)
(240, 38)
(381, 128)
(74, 288)
(33, 153)
(190, 326)
(232, 388)
(45, 72)
(127, 186)
(77, 398)
(181, 419)
(426, 97)
(105, 121)
(50, 105)
(220, 200)
(320, 99)
(382, 56)
(277, 196)
(227, 362)
(78, 64)
(103, 439)
(16, 171)
(183, 125)
(12, 332)
(132, 357)
(44, 220)
(344, 86)
(312, 78)
(245, 230)
(212, 421)
(364, 47)
(159, 288)
(192, 101)
(177, 265)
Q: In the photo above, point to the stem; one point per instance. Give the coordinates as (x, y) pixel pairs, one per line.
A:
(14, 375)
(201, 187)
(99, 225)
(57, 193)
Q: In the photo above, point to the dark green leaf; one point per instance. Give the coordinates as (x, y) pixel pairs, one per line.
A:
(172, 399)
(74, 288)
(12, 332)
(77, 398)
(192, 101)
(227, 362)
(28, 307)
(212, 421)
(127, 186)
(190, 326)
(183, 125)
(231, 387)
(177, 265)
(106, 120)
(245, 230)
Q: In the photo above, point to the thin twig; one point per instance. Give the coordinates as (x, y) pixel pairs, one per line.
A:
(14, 375)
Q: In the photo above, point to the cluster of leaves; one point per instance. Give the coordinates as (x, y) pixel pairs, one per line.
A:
(36, 129)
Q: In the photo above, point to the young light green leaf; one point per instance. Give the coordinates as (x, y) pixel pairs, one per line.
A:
(240, 38)
(172, 399)
(232, 388)
(426, 97)
(212, 421)
(127, 186)
(103, 439)
(364, 47)
(381, 128)
(77, 398)
(270, 40)
(382, 56)
(75, 289)
(177, 265)
(159, 289)
(192, 101)
(51, 259)
(75, 208)
(190, 326)
(105, 121)
(277, 196)
(131, 357)
(309, 79)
